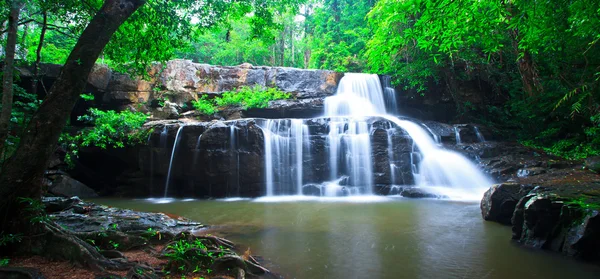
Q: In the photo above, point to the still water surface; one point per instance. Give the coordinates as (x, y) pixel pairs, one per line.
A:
(391, 238)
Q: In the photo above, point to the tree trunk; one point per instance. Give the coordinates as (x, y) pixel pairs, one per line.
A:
(23, 172)
(7, 82)
(38, 54)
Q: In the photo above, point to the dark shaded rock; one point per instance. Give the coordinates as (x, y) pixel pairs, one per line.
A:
(593, 164)
(541, 217)
(415, 192)
(524, 172)
(56, 204)
(546, 221)
(583, 239)
(20, 273)
(66, 186)
(499, 202)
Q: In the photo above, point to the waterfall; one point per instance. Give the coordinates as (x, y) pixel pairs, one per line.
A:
(443, 169)
(284, 144)
(172, 158)
(349, 114)
(390, 150)
(457, 135)
(479, 135)
(197, 150)
(234, 162)
(390, 95)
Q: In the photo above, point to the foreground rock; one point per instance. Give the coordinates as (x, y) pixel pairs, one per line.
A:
(561, 213)
(499, 202)
(79, 216)
(118, 233)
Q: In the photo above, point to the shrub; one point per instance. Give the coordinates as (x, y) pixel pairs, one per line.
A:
(204, 105)
(109, 129)
(247, 97)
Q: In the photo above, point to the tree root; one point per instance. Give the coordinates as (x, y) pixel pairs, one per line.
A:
(61, 244)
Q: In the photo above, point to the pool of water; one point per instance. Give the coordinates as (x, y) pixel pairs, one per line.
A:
(372, 238)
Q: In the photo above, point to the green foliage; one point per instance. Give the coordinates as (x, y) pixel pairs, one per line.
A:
(109, 129)
(4, 262)
(193, 255)
(541, 57)
(87, 97)
(34, 210)
(247, 97)
(251, 97)
(340, 35)
(6, 239)
(583, 203)
(204, 105)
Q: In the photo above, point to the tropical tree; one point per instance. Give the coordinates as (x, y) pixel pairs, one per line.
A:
(115, 22)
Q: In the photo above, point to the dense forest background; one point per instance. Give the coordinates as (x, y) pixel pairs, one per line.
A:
(537, 61)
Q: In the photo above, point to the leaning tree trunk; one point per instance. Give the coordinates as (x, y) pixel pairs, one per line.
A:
(7, 82)
(38, 54)
(22, 174)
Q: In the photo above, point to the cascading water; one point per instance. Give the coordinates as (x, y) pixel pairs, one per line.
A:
(284, 144)
(349, 113)
(391, 104)
(457, 135)
(479, 135)
(172, 158)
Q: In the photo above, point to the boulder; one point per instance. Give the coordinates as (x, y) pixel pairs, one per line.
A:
(593, 164)
(66, 186)
(90, 217)
(499, 202)
(550, 222)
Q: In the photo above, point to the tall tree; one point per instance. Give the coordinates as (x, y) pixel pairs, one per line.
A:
(147, 36)
(22, 175)
(7, 80)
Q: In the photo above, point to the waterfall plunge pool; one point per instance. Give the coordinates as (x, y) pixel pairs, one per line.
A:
(383, 238)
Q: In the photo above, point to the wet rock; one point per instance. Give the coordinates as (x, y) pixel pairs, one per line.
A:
(56, 204)
(415, 192)
(524, 172)
(547, 221)
(168, 111)
(593, 164)
(66, 186)
(93, 217)
(499, 202)
(582, 240)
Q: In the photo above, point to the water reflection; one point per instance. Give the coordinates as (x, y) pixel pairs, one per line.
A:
(399, 238)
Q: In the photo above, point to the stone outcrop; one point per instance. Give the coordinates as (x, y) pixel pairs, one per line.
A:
(181, 81)
(209, 162)
(66, 186)
(559, 214)
(80, 216)
(550, 222)
(499, 202)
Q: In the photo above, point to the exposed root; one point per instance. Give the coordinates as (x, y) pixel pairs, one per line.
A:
(61, 244)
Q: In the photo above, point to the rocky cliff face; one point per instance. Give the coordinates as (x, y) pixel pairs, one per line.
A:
(227, 158)
(181, 81)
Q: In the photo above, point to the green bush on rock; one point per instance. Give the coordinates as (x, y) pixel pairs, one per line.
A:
(109, 129)
(246, 97)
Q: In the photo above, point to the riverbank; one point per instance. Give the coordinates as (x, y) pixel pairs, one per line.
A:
(555, 210)
(150, 245)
